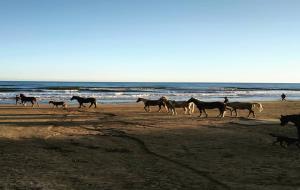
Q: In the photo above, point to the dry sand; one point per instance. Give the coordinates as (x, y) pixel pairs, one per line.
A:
(122, 147)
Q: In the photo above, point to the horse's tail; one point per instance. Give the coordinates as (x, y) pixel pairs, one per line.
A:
(192, 107)
(259, 106)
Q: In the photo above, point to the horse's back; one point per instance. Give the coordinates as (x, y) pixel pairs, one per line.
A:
(180, 104)
(153, 102)
(212, 105)
(240, 105)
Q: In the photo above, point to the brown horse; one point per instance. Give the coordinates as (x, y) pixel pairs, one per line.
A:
(25, 99)
(149, 103)
(56, 104)
(234, 106)
(209, 105)
(82, 101)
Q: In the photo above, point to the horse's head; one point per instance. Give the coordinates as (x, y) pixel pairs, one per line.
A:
(192, 99)
(139, 99)
(22, 95)
(74, 98)
(50, 102)
(283, 120)
(164, 98)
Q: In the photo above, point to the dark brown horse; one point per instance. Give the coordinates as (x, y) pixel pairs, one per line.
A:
(82, 101)
(285, 119)
(56, 104)
(25, 99)
(209, 105)
(149, 103)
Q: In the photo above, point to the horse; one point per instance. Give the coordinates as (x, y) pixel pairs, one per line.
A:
(169, 105)
(284, 120)
(149, 103)
(82, 101)
(25, 99)
(18, 98)
(187, 107)
(244, 106)
(209, 105)
(56, 104)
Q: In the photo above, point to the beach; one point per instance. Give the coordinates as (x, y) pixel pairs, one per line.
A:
(120, 146)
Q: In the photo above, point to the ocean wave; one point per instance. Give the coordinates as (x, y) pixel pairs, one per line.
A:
(129, 92)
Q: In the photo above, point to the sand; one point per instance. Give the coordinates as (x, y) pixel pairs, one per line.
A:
(122, 147)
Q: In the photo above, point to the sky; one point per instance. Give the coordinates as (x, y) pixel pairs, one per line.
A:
(150, 40)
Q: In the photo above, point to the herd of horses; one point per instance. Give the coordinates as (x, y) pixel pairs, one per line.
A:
(188, 107)
(169, 105)
(202, 106)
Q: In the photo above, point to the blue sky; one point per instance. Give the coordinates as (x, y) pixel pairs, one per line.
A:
(150, 40)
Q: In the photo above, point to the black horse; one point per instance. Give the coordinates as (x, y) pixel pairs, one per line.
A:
(209, 105)
(291, 118)
(82, 101)
(25, 99)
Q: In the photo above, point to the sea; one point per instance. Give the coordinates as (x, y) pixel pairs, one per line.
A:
(128, 92)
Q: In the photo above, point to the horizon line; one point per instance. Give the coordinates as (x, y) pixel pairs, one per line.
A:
(62, 81)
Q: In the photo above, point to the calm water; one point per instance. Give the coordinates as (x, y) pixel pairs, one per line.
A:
(124, 92)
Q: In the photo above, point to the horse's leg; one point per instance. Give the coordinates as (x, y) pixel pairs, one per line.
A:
(166, 108)
(206, 115)
(220, 113)
(188, 110)
(249, 113)
(200, 112)
(253, 114)
(159, 108)
(95, 103)
(223, 112)
(236, 113)
(230, 111)
(32, 103)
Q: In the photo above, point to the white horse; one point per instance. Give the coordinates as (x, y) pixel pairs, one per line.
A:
(244, 106)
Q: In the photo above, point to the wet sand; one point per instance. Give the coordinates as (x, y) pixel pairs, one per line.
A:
(122, 147)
